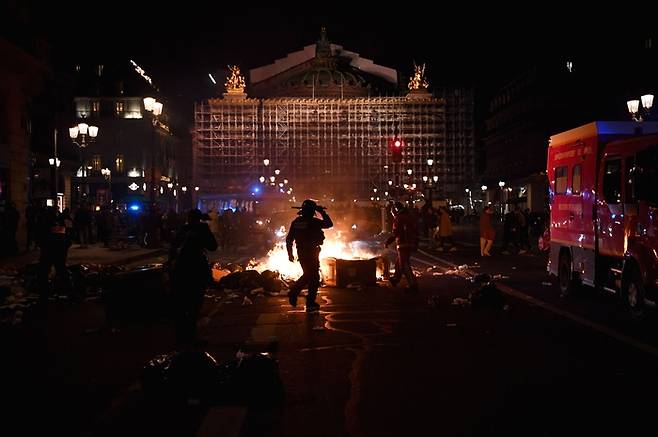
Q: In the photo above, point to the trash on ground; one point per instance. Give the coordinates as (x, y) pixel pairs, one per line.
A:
(488, 296)
(547, 283)
(460, 301)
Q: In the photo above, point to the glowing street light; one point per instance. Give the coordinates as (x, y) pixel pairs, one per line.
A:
(634, 107)
(266, 162)
(430, 162)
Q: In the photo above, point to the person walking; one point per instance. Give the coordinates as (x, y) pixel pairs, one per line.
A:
(487, 231)
(405, 235)
(445, 231)
(54, 245)
(306, 232)
(190, 274)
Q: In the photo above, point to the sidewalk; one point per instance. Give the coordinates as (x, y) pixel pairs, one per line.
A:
(93, 254)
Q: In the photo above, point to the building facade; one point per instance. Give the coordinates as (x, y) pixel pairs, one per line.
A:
(133, 157)
(320, 122)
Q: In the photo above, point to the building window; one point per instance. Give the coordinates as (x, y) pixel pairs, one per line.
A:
(95, 107)
(119, 107)
(96, 163)
(560, 180)
(575, 179)
(119, 163)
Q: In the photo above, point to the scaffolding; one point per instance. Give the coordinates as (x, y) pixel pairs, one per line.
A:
(328, 146)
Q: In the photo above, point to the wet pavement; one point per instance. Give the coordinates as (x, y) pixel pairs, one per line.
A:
(375, 361)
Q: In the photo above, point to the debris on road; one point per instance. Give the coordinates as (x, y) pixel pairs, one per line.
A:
(460, 301)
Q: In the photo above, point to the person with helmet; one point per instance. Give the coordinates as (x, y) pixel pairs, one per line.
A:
(306, 232)
(405, 235)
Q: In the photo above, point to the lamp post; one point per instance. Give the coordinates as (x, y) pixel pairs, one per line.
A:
(155, 108)
(501, 184)
(107, 174)
(87, 135)
(639, 114)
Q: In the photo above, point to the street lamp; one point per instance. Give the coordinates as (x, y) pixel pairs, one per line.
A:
(86, 134)
(266, 162)
(107, 174)
(430, 162)
(155, 108)
(501, 184)
(634, 107)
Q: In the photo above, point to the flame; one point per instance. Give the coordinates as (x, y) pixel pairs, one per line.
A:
(335, 246)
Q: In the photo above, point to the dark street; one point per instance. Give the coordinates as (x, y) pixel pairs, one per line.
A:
(375, 361)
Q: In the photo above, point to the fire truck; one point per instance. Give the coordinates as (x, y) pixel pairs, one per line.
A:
(603, 192)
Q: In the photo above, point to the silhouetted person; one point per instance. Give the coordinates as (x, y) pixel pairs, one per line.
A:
(405, 235)
(306, 232)
(190, 274)
(54, 245)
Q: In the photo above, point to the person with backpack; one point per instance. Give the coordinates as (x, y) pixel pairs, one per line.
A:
(405, 235)
(190, 273)
(306, 232)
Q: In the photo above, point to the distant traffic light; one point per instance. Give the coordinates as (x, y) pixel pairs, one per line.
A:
(396, 145)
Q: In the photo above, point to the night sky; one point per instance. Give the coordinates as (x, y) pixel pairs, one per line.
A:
(180, 43)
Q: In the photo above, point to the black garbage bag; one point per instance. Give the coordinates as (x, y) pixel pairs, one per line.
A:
(250, 279)
(272, 282)
(488, 295)
(250, 379)
(136, 295)
(189, 377)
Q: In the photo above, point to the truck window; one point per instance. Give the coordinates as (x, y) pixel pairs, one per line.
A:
(646, 176)
(575, 179)
(560, 180)
(612, 181)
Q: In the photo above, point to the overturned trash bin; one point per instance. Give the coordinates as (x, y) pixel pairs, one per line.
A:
(340, 273)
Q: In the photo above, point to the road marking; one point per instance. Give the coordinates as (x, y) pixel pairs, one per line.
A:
(644, 347)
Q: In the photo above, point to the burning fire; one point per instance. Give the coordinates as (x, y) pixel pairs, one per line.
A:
(334, 246)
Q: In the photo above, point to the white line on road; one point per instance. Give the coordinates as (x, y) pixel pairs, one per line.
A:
(644, 347)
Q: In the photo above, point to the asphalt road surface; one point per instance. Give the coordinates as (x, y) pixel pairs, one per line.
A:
(380, 361)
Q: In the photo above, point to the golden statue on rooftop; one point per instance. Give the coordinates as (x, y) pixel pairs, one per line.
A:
(235, 82)
(418, 81)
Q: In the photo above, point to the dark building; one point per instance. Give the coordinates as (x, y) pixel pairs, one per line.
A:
(134, 155)
(23, 72)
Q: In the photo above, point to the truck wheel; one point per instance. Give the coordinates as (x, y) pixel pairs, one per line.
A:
(632, 293)
(565, 277)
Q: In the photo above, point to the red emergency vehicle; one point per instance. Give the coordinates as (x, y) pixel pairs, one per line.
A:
(603, 180)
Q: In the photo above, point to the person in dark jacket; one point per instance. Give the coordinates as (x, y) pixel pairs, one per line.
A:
(54, 245)
(306, 232)
(190, 274)
(405, 235)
